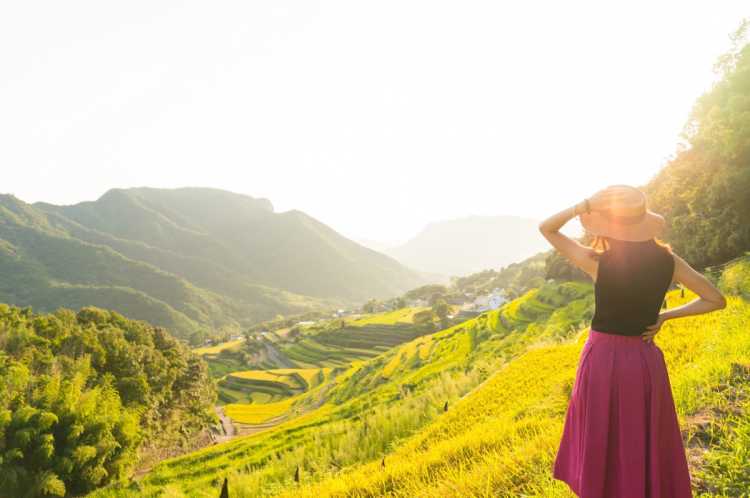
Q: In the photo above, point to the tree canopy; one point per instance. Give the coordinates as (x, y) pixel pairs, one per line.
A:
(704, 191)
(80, 393)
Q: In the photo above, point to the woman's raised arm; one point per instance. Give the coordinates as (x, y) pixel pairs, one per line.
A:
(581, 256)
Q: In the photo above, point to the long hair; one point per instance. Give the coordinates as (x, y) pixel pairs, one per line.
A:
(600, 244)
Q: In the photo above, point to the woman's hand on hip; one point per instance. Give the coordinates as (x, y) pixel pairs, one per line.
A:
(652, 330)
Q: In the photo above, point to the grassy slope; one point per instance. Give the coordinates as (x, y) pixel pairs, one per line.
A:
(501, 440)
(365, 412)
(498, 438)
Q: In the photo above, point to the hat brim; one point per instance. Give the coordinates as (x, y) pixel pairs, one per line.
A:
(652, 225)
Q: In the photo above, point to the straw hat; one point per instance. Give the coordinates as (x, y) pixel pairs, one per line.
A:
(621, 212)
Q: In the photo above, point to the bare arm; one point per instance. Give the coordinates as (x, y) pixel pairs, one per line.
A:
(709, 298)
(578, 254)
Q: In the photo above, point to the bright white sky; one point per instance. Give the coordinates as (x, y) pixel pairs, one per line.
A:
(374, 117)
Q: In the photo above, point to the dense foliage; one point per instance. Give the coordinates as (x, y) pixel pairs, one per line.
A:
(81, 393)
(705, 190)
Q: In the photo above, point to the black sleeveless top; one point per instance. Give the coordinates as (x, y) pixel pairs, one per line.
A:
(631, 282)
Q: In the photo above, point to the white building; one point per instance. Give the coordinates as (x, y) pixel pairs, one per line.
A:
(490, 301)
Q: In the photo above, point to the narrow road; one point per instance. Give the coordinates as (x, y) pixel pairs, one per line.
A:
(278, 358)
(226, 424)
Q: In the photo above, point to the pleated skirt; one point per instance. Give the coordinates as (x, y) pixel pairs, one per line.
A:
(621, 437)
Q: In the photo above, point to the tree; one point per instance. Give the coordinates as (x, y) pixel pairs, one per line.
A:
(441, 308)
(369, 306)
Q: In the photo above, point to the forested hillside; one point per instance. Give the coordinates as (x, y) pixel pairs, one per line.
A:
(704, 192)
(196, 261)
(84, 395)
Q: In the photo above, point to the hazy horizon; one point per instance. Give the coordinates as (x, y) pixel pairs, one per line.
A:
(374, 119)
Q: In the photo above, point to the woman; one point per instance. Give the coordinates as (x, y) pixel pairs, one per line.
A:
(621, 437)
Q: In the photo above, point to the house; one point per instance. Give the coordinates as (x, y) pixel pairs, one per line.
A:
(490, 301)
(497, 299)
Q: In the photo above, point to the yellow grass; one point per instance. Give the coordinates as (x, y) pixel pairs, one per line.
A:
(403, 315)
(219, 347)
(257, 413)
(309, 374)
(268, 375)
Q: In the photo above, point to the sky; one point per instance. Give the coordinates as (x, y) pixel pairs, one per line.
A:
(374, 117)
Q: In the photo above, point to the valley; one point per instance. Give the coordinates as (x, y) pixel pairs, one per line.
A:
(486, 394)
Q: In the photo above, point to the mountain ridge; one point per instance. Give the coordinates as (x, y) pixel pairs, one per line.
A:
(209, 259)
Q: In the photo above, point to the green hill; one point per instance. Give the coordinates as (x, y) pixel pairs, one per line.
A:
(477, 410)
(193, 260)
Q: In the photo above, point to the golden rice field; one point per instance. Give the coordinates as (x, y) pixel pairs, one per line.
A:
(257, 413)
(267, 375)
(219, 347)
(403, 315)
(310, 375)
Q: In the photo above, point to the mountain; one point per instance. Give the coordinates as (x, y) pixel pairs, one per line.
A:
(375, 245)
(194, 260)
(471, 244)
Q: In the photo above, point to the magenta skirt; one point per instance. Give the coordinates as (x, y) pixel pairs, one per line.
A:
(621, 437)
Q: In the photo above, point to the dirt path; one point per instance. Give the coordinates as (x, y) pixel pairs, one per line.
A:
(277, 357)
(227, 426)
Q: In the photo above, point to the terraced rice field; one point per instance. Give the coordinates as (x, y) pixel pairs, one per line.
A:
(264, 386)
(258, 413)
(212, 350)
(404, 315)
(341, 346)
